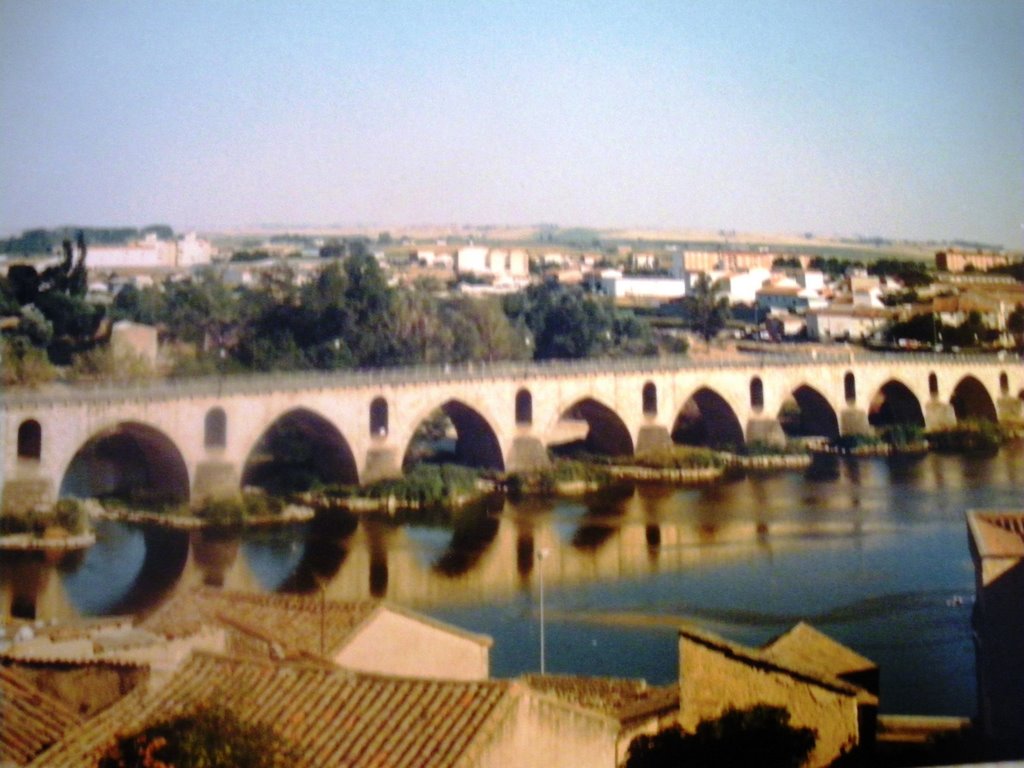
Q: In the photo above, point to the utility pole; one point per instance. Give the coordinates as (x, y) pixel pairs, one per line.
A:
(541, 555)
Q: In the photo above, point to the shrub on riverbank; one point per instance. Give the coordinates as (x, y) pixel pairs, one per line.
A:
(967, 437)
(67, 515)
(236, 510)
(561, 473)
(427, 485)
(676, 457)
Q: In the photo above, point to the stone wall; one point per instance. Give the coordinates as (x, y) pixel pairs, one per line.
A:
(714, 679)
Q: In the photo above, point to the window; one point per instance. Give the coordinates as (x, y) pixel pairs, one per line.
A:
(650, 399)
(756, 394)
(850, 388)
(933, 385)
(215, 429)
(30, 440)
(524, 407)
(379, 417)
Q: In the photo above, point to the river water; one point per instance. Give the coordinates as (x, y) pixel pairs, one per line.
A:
(871, 551)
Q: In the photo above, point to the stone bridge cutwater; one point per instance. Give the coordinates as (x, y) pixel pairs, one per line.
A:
(190, 438)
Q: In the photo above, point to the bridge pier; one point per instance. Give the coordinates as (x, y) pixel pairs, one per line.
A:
(24, 494)
(765, 432)
(1009, 409)
(215, 478)
(653, 437)
(382, 463)
(939, 415)
(854, 421)
(527, 454)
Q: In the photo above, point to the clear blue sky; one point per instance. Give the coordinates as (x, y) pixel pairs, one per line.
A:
(902, 118)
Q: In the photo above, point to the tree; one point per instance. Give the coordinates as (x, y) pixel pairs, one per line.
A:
(212, 737)
(706, 312)
(760, 736)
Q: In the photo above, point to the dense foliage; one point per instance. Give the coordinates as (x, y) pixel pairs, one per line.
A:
(211, 737)
(760, 736)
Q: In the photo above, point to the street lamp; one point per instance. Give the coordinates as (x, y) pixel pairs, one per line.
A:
(541, 554)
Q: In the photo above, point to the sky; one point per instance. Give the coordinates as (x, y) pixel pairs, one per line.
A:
(901, 118)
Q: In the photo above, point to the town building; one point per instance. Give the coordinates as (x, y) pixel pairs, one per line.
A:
(639, 708)
(843, 322)
(997, 549)
(335, 717)
(151, 253)
(30, 720)
(635, 288)
(821, 683)
(959, 261)
(366, 635)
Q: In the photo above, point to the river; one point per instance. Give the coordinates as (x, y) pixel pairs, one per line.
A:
(871, 551)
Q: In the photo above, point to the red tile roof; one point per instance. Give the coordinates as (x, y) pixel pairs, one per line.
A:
(332, 717)
(623, 699)
(292, 623)
(30, 720)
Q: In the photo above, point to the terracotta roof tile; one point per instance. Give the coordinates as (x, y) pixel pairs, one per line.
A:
(30, 720)
(291, 621)
(623, 699)
(805, 648)
(333, 717)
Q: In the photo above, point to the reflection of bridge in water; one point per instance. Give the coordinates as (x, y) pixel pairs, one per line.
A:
(491, 555)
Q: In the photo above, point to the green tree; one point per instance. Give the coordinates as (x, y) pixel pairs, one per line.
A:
(760, 736)
(211, 737)
(706, 311)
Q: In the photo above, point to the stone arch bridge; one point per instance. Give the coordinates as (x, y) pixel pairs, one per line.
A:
(190, 438)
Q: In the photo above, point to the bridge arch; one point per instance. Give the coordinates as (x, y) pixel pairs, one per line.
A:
(298, 449)
(607, 433)
(706, 418)
(895, 403)
(972, 402)
(808, 413)
(476, 441)
(30, 439)
(129, 460)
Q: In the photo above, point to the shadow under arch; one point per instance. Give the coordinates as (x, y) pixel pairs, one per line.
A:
(298, 450)
(813, 415)
(707, 419)
(328, 542)
(607, 433)
(474, 529)
(972, 402)
(895, 403)
(476, 442)
(130, 461)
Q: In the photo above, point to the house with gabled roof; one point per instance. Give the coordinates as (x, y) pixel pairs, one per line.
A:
(803, 671)
(365, 635)
(30, 719)
(335, 717)
(637, 707)
(997, 550)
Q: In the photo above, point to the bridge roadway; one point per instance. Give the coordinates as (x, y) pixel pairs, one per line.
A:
(192, 437)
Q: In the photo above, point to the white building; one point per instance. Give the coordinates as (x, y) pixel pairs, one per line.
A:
(742, 287)
(613, 283)
(471, 259)
(151, 253)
